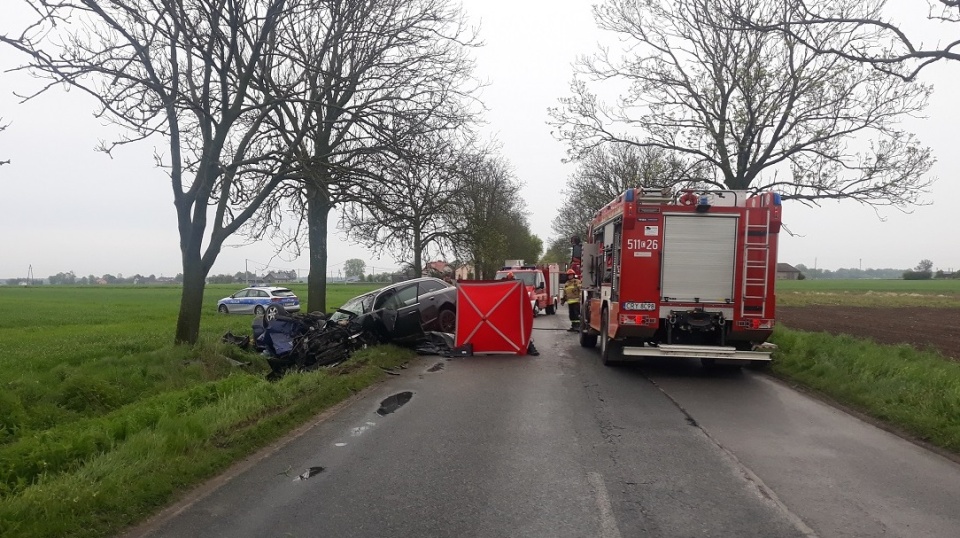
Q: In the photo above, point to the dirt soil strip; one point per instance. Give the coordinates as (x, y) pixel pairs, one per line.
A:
(922, 327)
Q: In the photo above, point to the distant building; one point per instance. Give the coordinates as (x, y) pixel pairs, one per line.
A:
(444, 270)
(464, 272)
(437, 269)
(280, 277)
(785, 271)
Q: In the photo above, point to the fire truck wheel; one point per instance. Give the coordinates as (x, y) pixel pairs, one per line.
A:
(611, 352)
(551, 309)
(586, 340)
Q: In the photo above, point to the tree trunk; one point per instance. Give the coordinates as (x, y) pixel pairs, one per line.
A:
(191, 299)
(318, 209)
(417, 257)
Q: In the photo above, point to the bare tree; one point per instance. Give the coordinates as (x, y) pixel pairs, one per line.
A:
(604, 172)
(762, 109)
(382, 71)
(3, 127)
(410, 213)
(490, 216)
(866, 33)
(195, 72)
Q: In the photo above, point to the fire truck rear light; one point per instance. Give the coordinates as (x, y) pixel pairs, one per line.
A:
(628, 320)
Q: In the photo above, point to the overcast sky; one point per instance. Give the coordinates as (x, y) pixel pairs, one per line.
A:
(69, 208)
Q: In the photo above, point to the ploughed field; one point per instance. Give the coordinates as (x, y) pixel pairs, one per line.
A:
(923, 327)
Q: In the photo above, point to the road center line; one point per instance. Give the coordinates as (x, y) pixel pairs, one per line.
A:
(608, 523)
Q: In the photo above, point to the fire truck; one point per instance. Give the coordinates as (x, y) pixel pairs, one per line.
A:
(686, 274)
(542, 283)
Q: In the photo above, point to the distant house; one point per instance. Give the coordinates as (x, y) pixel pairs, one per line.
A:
(785, 271)
(280, 277)
(463, 272)
(437, 269)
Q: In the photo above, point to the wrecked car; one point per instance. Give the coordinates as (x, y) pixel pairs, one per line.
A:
(305, 341)
(415, 312)
(401, 313)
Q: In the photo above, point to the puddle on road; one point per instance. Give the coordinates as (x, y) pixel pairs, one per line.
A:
(309, 472)
(392, 403)
(436, 367)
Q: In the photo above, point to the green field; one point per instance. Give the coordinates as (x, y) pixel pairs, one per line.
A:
(99, 408)
(890, 293)
(103, 421)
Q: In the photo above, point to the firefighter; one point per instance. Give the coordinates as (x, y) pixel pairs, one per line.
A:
(571, 296)
(509, 276)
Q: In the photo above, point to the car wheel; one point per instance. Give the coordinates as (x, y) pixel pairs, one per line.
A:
(258, 310)
(223, 309)
(272, 312)
(448, 320)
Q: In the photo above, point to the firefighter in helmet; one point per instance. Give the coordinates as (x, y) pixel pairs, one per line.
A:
(571, 296)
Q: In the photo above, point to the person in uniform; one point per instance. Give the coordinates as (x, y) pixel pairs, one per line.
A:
(571, 296)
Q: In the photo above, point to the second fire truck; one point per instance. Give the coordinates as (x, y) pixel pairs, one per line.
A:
(685, 275)
(541, 281)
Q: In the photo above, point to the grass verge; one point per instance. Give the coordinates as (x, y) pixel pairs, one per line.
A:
(96, 476)
(916, 391)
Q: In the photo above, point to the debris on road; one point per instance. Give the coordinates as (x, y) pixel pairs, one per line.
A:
(308, 473)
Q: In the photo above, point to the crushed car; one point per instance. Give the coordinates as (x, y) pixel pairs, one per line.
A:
(406, 313)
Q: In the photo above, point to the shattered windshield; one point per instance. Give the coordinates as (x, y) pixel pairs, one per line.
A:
(357, 305)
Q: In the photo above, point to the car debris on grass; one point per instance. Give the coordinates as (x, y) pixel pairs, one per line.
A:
(303, 342)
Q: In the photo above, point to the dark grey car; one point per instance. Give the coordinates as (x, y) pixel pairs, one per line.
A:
(402, 312)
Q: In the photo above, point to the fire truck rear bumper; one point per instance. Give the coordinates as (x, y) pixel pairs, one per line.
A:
(700, 352)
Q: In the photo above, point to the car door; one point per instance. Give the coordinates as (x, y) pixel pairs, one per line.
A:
(430, 301)
(259, 298)
(409, 323)
(250, 301)
(385, 310)
(237, 303)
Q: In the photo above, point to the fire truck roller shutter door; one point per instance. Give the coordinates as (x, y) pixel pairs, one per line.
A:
(699, 255)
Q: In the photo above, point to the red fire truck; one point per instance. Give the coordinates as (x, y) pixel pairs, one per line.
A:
(542, 283)
(689, 274)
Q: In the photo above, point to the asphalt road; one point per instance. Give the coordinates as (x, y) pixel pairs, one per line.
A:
(559, 445)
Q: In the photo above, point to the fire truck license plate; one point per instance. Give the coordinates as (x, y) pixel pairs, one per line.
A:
(639, 306)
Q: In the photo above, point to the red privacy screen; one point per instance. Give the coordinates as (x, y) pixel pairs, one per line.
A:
(494, 316)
